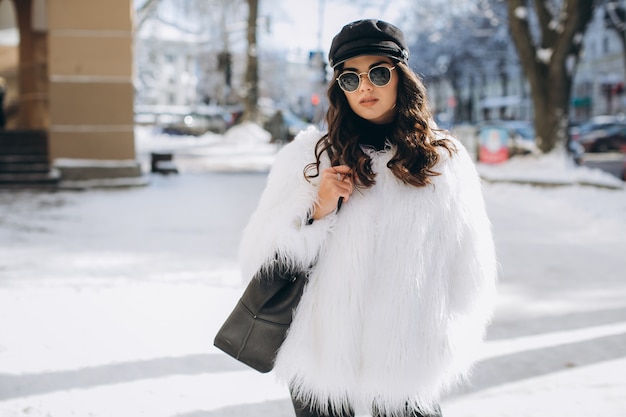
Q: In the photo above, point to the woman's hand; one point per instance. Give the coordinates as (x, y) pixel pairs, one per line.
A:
(335, 182)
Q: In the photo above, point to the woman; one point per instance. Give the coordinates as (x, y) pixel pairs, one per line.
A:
(401, 279)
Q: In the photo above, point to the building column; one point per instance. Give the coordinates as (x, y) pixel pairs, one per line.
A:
(91, 82)
(33, 57)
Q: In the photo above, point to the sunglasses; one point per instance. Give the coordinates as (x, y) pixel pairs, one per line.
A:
(379, 76)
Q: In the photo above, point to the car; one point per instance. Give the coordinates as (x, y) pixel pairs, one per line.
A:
(600, 133)
(185, 120)
(577, 130)
(607, 138)
(195, 124)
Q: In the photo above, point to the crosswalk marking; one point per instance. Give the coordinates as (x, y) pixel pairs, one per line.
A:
(495, 348)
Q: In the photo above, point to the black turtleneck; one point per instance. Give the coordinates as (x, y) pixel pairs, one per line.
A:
(374, 135)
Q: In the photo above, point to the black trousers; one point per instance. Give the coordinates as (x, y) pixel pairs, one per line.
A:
(303, 410)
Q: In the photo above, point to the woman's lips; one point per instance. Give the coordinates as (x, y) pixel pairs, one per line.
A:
(368, 101)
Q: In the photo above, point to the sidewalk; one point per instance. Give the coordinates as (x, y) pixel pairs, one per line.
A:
(589, 391)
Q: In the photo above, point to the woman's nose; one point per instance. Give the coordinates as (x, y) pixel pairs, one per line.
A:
(366, 84)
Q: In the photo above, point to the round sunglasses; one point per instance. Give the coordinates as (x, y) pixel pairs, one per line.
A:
(379, 76)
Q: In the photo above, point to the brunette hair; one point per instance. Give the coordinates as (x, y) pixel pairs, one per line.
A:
(416, 144)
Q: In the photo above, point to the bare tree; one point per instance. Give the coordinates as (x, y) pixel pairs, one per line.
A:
(251, 109)
(144, 11)
(207, 25)
(549, 49)
(462, 46)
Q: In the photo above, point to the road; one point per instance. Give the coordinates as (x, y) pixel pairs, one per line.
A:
(611, 162)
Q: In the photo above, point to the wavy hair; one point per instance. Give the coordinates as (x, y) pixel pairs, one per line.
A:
(415, 140)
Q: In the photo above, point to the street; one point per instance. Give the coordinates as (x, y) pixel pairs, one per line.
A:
(109, 299)
(611, 162)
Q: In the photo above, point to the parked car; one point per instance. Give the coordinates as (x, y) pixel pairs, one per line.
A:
(605, 139)
(600, 134)
(195, 125)
(185, 120)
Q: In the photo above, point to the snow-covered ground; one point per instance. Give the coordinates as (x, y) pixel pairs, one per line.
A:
(109, 298)
(244, 147)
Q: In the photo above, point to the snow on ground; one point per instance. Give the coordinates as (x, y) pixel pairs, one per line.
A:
(109, 298)
(552, 169)
(244, 147)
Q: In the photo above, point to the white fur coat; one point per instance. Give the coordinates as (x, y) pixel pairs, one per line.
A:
(403, 284)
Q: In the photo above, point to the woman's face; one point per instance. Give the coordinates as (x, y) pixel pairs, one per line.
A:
(372, 103)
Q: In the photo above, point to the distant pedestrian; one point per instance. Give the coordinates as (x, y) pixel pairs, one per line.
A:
(401, 280)
(3, 119)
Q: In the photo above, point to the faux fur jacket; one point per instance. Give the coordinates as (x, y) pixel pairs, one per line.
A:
(402, 286)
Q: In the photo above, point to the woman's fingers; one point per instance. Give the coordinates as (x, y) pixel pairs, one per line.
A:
(344, 170)
(340, 172)
(335, 182)
(343, 180)
(344, 177)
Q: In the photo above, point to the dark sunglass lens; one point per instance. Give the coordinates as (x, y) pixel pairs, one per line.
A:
(380, 76)
(349, 81)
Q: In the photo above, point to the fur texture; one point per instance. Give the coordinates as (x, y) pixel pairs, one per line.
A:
(403, 284)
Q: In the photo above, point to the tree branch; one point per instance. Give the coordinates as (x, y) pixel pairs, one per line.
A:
(545, 18)
(520, 33)
(145, 10)
(577, 16)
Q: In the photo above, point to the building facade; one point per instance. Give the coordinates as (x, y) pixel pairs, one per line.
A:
(74, 75)
(599, 83)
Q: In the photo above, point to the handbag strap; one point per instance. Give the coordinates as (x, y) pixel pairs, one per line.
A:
(331, 155)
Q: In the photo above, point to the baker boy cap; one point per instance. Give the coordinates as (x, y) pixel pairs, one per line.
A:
(368, 37)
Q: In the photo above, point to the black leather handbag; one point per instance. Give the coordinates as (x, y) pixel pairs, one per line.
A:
(257, 326)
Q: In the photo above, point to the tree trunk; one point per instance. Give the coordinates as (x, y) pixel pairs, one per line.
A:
(251, 111)
(546, 65)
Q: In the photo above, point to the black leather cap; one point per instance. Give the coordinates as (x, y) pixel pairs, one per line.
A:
(368, 37)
